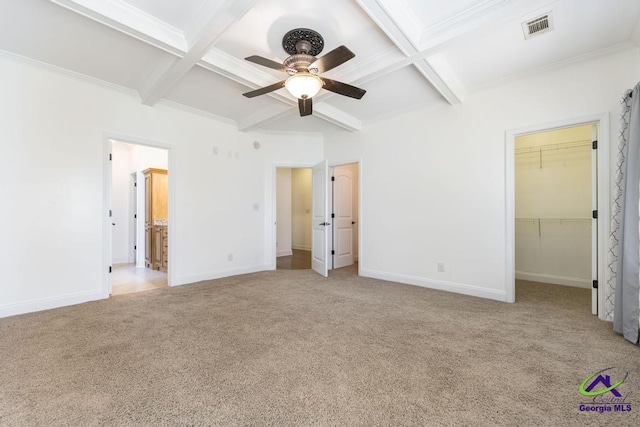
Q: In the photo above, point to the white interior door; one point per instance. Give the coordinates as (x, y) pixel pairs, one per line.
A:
(343, 222)
(594, 221)
(320, 219)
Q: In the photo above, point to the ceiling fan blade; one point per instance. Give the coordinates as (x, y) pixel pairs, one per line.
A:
(305, 106)
(264, 90)
(343, 88)
(266, 63)
(337, 56)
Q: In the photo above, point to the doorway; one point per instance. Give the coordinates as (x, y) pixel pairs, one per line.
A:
(138, 232)
(317, 212)
(555, 229)
(293, 218)
(554, 199)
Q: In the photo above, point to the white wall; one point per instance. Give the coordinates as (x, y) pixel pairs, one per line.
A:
(433, 180)
(283, 212)
(301, 208)
(553, 207)
(55, 129)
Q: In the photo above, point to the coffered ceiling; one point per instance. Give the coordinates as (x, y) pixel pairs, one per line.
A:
(409, 53)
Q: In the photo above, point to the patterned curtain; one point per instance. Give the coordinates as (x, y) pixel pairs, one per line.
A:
(622, 291)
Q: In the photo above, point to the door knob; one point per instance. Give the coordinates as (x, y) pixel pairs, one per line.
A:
(325, 223)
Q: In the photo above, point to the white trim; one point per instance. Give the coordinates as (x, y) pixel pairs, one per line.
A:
(553, 279)
(68, 73)
(50, 303)
(131, 21)
(228, 13)
(219, 274)
(459, 288)
(602, 120)
(257, 133)
(337, 116)
(301, 247)
(590, 56)
(462, 22)
(199, 112)
(284, 253)
(83, 78)
(400, 33)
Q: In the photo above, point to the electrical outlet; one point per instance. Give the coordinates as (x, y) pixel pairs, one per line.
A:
(441, 267)
(230, 257)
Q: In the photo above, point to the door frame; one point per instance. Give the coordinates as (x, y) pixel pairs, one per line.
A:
(133, 220)
(360, 209)
(107, 138)
(602, 121)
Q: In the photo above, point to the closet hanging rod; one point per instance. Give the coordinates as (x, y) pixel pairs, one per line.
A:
(552, 147)
(553, 219)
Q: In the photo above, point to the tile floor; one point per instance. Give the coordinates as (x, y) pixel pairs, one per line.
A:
(127, 279)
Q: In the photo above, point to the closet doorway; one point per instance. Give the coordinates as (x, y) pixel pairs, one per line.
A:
(138, 217)
(293, 218)
(556, 199)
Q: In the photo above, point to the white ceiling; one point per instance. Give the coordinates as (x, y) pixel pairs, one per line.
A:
(409, 53)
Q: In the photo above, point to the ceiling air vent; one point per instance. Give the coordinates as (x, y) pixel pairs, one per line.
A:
(539, 25)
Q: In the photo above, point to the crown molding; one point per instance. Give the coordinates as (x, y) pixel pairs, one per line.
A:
(262, 117)
(590, 56)
(131, 21)
(198, 112)
(83, 78)
(68, 73)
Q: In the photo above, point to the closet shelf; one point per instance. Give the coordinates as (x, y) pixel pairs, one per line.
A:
(552, 147)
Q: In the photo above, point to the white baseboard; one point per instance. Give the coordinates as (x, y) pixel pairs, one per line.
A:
(188, 280)
(459, 288)
(49, 303)
(284, 253)
(556, 280)
(301, 248)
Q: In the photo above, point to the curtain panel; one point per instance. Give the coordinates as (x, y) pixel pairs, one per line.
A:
(622, 294)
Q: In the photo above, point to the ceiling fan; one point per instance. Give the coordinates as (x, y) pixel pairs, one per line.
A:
(304, 69)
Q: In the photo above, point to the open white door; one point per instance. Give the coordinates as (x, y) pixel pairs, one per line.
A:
(320, 220)
(594, 221)
(343, 221)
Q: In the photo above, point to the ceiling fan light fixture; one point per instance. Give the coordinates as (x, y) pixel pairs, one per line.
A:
(304, 85)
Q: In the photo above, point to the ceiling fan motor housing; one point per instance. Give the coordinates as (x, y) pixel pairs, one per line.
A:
(300, 62)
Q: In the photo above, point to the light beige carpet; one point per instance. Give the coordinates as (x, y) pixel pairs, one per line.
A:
(289, 348)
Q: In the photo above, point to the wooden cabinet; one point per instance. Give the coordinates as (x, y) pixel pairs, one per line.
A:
(156, 202)
(165, 248)
(161, 247)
